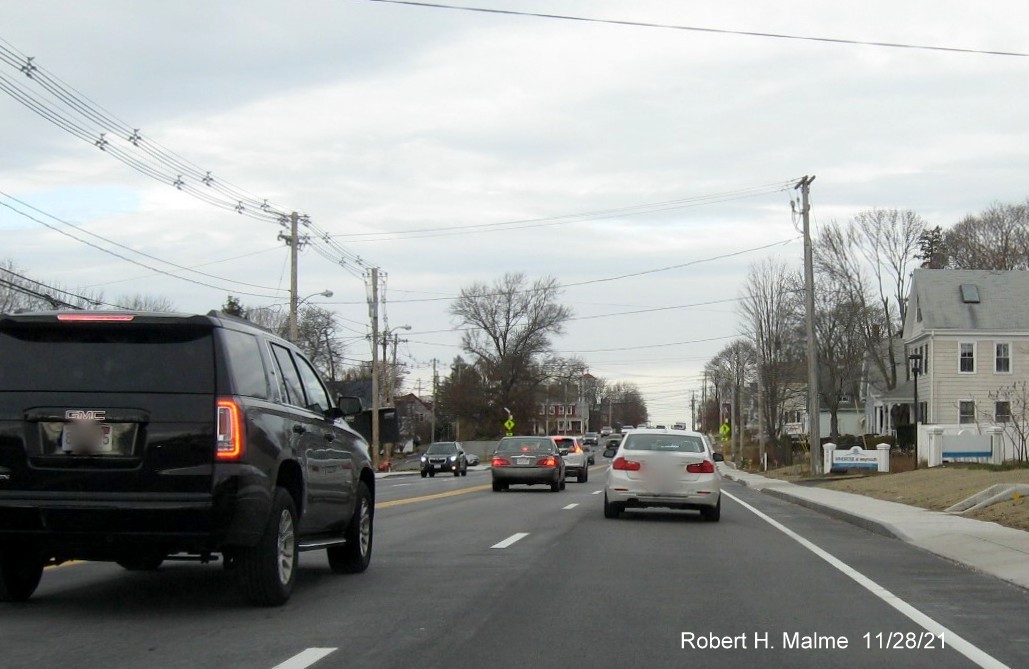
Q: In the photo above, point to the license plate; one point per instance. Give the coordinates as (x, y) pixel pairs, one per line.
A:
(86, 438)
(523, 461)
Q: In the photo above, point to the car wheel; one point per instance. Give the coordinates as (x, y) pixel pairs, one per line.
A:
(424, 474)
(464, 472)
(556, 486)
(713, 513)
(611, 510)
(563, 484)
(141, 562)
(20, 571)
(267, 570)
(582, 476)
(354, 556)
(497, 487)
(432, 473)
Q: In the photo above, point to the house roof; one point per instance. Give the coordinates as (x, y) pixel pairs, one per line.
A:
(945, 305)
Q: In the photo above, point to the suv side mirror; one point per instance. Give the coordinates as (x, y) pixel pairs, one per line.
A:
(350, 406)
(610, 452)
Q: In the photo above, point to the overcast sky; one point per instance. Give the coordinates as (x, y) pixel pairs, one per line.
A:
(372, 118)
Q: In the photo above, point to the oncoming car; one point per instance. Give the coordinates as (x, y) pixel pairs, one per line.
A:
(528, 460)
(444, 456)
(673, 469)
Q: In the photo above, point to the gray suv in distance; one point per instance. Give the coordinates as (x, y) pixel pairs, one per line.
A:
(137, 437)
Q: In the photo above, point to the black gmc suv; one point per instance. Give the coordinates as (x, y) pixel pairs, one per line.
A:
(139, 437)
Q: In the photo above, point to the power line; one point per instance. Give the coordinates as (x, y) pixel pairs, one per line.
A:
(719, 31)
(122, 257)
(619, 212)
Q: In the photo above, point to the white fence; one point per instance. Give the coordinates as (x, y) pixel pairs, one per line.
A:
(963, 443)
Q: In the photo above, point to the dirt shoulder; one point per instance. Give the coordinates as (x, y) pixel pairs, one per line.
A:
(936, 488)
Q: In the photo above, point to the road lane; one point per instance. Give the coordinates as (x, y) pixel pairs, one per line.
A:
(608, 591)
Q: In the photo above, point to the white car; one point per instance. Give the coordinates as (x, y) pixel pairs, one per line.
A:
(575, 456)
(674, 469)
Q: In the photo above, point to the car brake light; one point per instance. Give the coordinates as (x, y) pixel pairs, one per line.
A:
(705, 467)
(624, 465)
(577, 449)
(500, 462)
(549, 461)
(230, 431)
(95, 318)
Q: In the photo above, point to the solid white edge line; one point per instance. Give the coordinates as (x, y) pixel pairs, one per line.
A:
(305, 658)
(596, 492)
(510, 540)
(950, 638)
(570, 506)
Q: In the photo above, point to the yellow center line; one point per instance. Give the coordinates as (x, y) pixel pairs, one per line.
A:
(426, 498)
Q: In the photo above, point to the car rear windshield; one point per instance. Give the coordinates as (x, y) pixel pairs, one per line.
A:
(107, 358)
(442, 449)
(515, 444)
(665, 442)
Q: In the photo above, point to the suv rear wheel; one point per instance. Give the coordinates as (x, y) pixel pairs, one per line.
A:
(354, 556)
(20, 571)
(268, 570)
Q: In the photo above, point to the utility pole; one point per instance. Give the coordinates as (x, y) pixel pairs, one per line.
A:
(293, 242)
(373, 307)
(432, 437)
(693, 411)
(814, 418)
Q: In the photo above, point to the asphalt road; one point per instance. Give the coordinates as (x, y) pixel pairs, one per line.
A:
(464, 577)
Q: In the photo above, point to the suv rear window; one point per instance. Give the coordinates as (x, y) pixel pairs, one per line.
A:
(121, 358)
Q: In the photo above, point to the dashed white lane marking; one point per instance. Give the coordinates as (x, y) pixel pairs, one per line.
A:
(570, 506)
(305, 659)
(510, 540)
(400, 485)
(952, 640)
(596, 492)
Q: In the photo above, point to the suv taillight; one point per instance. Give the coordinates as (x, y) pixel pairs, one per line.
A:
(230, 430)
(705, 467)
(577, 449)
(625, 465)
(500, 462)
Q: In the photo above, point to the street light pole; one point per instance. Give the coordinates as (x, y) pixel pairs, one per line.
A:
(294, 309)
(916, 369)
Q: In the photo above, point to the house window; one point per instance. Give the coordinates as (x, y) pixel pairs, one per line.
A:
(966, 412)
(967, 358)
(1003, 412)
(1003, 358)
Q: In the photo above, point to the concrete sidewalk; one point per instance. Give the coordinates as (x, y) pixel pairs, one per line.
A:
(987, 547)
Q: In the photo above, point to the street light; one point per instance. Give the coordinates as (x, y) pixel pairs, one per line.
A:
(916, 369)
(294, 310)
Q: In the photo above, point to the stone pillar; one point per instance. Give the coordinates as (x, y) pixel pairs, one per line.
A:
(934, 457)
(996, 444)
(827, 452)
(883, 455)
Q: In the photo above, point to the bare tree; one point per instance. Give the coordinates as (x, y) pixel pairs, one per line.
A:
(772, 319)
(837, 262)
(512, 322)
(735, 365)
(996, 239)
(141, 302)
(1016, 425)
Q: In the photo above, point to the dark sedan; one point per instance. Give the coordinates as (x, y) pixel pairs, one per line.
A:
(528, 460)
